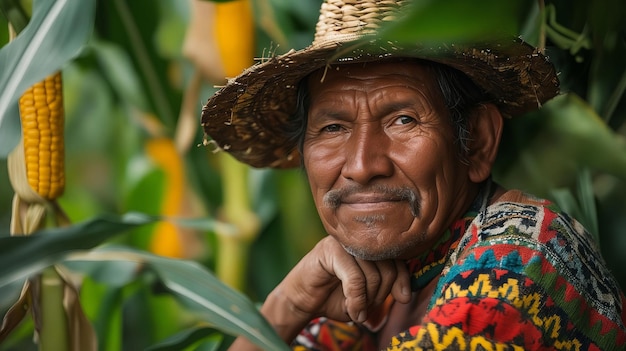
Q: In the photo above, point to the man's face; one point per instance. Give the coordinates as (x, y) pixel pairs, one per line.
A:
(381, 160)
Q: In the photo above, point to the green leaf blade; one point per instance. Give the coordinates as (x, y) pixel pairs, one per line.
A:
(193, 285)
(458, 21)
(22, 256)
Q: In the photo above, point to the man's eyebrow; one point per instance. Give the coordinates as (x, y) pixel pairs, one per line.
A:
(329, 113)
(393, 106)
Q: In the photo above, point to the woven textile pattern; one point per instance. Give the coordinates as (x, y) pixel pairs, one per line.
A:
(523, 276)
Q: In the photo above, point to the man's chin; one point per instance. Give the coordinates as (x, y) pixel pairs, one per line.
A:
(369, 254)
(379, 245)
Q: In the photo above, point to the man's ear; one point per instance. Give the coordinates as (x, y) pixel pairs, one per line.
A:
(485, 126)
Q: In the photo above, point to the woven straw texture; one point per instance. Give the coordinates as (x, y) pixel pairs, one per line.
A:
(247, 117)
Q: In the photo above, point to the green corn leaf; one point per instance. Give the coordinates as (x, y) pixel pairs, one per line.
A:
(188, 338)
(194, 286)
(216, 303)
(458, 20)
(22, 256)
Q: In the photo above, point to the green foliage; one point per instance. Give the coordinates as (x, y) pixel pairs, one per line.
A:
(22, 256)
(458, 20)
(124, 73)
(15, 14)
(192, 284)
(188, 338)
(199, 291)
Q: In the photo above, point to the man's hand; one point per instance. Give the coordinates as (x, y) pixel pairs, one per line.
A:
(330, 282)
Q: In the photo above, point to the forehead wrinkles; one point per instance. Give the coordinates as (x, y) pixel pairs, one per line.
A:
(374, 79)
(377, 97)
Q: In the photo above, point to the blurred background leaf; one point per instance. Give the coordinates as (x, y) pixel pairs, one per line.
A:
(458, 21)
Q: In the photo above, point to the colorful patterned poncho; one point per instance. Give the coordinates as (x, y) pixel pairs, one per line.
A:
(514, 275)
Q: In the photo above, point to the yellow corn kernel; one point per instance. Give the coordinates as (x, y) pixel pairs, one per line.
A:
(41, 112)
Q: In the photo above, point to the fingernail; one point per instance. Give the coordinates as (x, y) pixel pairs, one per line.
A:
(362, 317)
(406, 291)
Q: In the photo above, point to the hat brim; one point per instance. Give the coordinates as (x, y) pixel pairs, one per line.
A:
(248, 117)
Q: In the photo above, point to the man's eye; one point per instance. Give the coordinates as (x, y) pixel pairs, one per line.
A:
(404, 120)
(331, 128)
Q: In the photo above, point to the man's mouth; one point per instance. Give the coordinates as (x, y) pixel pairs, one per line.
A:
(369, 201)
(371, 198)
(365, 198)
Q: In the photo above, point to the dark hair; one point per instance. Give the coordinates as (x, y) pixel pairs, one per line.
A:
(460, 95)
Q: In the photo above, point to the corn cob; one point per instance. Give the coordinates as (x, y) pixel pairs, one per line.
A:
(234, 34)
(42, 116)
(166, 238)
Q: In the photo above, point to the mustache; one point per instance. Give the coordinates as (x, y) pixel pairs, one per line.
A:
(334, 198)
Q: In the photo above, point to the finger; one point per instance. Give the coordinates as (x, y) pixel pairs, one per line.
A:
(401, 289)
(373, 279)
(354, 286)
(388, 272)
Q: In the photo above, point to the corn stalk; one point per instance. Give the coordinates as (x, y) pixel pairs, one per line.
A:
(36, 172)
(234, 36)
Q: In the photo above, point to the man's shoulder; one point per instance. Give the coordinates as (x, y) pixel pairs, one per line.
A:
(532, 239)
(534, 228)
(521, 216)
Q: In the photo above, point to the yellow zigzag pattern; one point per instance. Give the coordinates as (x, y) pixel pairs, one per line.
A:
(431, 338)
(482, 287)
(509, 291)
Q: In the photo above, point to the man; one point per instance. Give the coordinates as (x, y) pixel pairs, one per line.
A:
(424, 250)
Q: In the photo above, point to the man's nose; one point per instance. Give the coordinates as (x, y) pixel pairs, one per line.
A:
(367, 156)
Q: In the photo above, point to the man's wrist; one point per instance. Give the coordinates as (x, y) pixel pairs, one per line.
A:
(286, 319)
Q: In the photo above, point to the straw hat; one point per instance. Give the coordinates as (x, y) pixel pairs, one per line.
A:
(247, 117)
